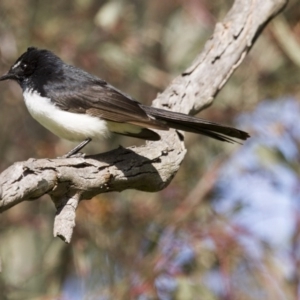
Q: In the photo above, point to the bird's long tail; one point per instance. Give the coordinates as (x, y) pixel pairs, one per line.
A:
(192, 124)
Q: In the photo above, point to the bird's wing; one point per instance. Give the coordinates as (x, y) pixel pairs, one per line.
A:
(99, 99)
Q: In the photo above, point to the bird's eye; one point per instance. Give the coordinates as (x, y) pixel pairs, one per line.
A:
(23, 66)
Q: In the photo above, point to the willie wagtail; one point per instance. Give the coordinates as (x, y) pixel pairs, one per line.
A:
(78, 106)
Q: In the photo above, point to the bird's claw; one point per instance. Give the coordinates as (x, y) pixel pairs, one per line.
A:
(75, 155)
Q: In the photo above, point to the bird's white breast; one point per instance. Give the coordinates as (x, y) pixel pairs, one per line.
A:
(67, 125)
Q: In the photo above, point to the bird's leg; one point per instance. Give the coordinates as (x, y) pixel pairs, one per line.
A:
(77, 148)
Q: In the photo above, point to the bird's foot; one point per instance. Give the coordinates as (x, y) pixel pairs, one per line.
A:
(75, 152)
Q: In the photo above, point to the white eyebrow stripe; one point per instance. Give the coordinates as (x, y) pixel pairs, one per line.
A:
(16, 65)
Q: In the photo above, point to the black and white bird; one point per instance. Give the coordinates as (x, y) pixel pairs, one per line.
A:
(78, 106)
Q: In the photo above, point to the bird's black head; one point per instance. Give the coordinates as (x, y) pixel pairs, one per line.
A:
(34, 64)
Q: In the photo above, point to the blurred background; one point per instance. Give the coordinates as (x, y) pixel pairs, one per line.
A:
(227, 227)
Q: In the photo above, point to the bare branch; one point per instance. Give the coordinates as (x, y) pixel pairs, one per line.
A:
(150, 167)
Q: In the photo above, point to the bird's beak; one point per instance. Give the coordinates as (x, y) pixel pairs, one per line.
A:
(7, 76)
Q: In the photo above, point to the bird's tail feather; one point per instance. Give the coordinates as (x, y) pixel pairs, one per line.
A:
(196, 125)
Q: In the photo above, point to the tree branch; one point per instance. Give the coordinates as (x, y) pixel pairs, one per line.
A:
(152, 166)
